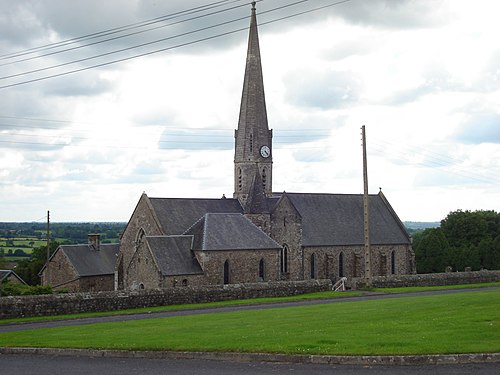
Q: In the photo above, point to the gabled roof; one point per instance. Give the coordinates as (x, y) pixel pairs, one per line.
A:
(176, 215)
(5, 274)
(337, 219)
(229, 232)
(173, 255)
(90, 262)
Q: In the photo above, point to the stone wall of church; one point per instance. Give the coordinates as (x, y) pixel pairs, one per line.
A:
(286, 229)
(96, 283)
(333, 262)
(141, 219)
(263, 221)
(142, 272)
(243, 265)
(181, 281)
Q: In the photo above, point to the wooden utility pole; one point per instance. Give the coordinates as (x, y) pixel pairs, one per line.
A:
(48, 249)
(366, 215)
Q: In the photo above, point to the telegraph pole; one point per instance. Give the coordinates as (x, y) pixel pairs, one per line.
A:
(366, 215)
(48, 248)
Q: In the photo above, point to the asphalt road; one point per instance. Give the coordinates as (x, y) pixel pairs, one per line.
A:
(49, 365)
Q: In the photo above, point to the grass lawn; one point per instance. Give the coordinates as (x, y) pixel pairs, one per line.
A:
(253, 301)
(453, 323)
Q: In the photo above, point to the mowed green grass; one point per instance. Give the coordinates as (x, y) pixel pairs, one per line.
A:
(454, 323)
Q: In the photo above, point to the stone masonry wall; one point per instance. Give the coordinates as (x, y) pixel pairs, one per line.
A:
(141, 219)
(61, 273)
(286, 229)
(243, 265)
(23, 306)
(430, 279)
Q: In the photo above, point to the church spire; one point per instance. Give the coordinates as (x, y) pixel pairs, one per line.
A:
(253, 139)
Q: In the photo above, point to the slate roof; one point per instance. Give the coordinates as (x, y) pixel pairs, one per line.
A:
(173, 255)
(89, 262)
(176, 215)
(229, 232)
(4, 275)
(337, 219)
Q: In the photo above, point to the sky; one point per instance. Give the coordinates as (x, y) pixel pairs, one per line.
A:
(91, 120)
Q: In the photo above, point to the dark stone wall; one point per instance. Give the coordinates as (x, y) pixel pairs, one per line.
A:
(430, 279)
(142, 218)
(23, 306)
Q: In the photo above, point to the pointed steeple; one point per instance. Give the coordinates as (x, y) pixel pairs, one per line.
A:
(253, 139)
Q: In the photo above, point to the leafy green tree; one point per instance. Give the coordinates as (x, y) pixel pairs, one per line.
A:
(432, 251)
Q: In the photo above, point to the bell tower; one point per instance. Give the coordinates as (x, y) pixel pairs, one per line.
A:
(253, 157)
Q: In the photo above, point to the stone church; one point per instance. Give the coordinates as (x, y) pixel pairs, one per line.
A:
(257, 235)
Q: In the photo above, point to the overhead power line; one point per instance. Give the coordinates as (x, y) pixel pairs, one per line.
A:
(174, 46)
(165, 18)
(115, 30)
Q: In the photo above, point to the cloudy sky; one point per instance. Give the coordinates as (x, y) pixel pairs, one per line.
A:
(103, 100)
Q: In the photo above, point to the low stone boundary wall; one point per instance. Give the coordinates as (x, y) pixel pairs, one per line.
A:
(430, 279)
(57, 304)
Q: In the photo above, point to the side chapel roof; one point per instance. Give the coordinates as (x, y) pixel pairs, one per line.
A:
(229, 232)
(173, 255)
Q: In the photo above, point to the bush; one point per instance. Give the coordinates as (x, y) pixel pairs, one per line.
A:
(10, 289)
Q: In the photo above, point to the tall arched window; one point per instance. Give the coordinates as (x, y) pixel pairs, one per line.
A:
(341, 264)
(284, 259)
(393, 262)
(313, 266)
(138, 238)
(226, 272)
(261, 270)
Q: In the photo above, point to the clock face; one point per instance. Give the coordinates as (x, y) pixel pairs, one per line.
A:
(265, 151)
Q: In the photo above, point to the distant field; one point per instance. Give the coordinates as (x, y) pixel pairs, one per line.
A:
(25, 244)
(440, 324)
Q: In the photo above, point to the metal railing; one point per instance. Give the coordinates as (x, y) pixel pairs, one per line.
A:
(340, 285)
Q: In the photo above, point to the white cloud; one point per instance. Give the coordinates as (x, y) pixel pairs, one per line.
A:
(422, 76)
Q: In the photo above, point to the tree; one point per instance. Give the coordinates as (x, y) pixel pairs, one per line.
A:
(432, 251)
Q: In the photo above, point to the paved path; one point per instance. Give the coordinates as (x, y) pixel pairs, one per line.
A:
(214, 310)
(49, 365)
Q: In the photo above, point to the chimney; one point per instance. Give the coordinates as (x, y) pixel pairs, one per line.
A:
(95, 241)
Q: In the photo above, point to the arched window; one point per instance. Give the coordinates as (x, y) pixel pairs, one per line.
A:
(261, 270)
(284, 259)
(226, 272)
(341, 264)
(184, 282)
(313, 266)
(138, 238)
(393, 262)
